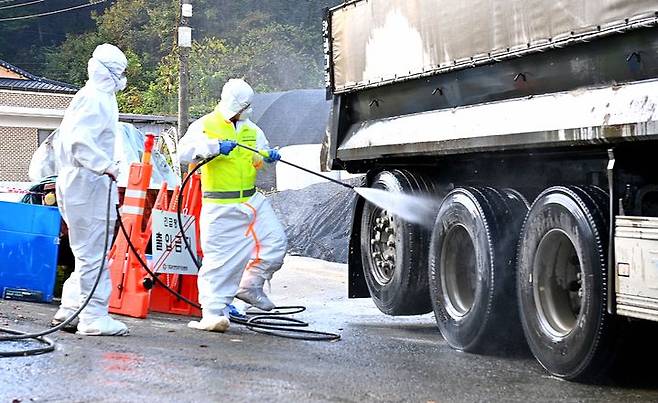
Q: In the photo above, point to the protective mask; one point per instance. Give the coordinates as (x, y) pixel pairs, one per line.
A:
(121, 84)
(120, 80)
(246, 114)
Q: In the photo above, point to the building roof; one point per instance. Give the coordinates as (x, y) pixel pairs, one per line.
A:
(16, 79)
(153, 119)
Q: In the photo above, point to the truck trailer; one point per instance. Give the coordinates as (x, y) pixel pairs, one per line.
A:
(535, 124)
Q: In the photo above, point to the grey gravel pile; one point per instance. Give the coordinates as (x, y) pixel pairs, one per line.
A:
(317, 220)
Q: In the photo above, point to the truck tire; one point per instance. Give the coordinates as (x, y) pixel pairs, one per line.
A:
(472, 269)
(394, 252)
(562, 282)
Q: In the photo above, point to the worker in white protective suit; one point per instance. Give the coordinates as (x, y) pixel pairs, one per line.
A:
(242, 240)
(83, 155)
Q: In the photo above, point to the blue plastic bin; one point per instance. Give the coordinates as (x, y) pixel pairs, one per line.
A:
(29, 242)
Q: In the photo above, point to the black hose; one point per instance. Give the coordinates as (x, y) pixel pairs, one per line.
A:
(256, 323)
(39, 336)
(347, 185)
(262, 322)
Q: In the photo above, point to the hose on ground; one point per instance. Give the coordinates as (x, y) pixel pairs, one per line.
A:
(274, 323)
(17, 335)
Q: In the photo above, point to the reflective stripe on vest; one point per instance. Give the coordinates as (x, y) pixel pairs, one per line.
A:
(229, 174)
(229, 195)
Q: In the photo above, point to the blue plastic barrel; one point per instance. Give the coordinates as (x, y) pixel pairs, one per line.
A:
(29, 242)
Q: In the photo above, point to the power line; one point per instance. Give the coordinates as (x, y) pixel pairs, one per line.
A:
(21, 4)
(7, 1)
(43, 32)
(23, 17)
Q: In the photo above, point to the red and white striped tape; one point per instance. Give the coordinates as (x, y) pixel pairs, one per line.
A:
(20, 191)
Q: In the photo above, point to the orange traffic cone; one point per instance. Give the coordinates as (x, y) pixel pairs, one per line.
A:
(130, 293)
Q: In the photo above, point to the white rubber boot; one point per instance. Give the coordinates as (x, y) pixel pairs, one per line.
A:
(61, 315)
(102, 326)
(211, 324)
(255, 296)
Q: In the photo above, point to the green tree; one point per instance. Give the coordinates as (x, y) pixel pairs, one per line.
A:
(207, 75)
(275, 45)
(271, 58)
(143, 29)
(68, 62)
(277, 57)
(23, 41)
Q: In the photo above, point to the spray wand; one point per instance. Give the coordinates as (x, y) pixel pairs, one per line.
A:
(413, 208)
(265, 154)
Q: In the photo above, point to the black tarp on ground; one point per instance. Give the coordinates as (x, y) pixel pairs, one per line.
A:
(317, 220)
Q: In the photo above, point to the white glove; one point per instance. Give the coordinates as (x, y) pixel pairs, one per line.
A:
(112, 171)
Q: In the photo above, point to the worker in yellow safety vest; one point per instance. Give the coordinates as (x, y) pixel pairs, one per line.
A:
(242, 240)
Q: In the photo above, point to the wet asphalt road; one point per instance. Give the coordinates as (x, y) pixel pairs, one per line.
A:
(379, 358)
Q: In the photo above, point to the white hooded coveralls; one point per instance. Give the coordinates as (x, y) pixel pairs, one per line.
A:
(83, 154)
(233, 235)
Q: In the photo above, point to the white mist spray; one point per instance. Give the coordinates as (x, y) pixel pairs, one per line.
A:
(411, 208)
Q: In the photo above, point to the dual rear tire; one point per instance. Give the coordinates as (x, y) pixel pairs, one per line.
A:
(471, 268)
(394, 252)
(553, 287)
(562, 283)
(500, 271)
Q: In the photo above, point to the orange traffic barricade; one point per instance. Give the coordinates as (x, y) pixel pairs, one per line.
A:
(184, 284)
(130, 283)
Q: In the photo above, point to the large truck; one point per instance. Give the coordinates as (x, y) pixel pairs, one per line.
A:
(535, 124)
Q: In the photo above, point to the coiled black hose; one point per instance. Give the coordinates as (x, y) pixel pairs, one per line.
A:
(50, 345)
(273, 323)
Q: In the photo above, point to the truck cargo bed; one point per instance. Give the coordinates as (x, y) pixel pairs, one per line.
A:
(581, 117)
(372, 43)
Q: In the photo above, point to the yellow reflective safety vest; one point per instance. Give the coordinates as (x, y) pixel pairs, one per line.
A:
(229, 178)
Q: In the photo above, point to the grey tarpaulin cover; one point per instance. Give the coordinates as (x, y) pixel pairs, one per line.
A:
(317, 220)
(290, 118)
(379, 40)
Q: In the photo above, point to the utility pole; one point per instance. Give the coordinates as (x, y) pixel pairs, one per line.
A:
(184, 45)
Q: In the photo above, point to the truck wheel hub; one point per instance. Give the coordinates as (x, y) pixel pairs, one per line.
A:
(559, 288)
(382, 246)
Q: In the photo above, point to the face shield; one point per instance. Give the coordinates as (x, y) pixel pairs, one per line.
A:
(245, 113)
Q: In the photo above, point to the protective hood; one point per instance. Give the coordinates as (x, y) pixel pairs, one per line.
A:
(106, 68)
(236, 98)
